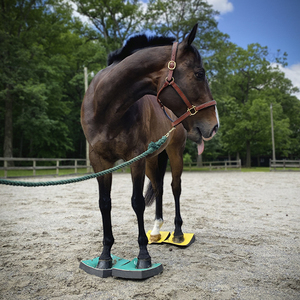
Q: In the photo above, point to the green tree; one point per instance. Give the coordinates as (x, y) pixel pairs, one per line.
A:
(177, 17)
(41, 57)
(245, 92)
(115, 20)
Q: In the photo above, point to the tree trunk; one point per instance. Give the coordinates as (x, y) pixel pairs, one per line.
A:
(8, 128)
(248, 158)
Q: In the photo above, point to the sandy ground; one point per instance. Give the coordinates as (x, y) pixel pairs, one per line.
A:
(247, 239)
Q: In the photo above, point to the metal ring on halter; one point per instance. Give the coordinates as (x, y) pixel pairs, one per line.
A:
(172, 80)
(174, 65)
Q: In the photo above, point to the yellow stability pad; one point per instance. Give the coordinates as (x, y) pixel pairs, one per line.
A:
(189, 238)
(164, 236)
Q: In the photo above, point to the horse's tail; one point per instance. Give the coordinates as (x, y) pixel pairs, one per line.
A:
(151, 193)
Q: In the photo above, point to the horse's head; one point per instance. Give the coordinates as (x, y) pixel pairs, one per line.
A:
(189, 98)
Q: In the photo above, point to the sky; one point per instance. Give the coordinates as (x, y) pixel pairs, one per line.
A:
(271, 23)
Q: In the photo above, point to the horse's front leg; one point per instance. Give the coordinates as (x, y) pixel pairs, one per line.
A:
(138, 205)
(176, 162)
(104, 182)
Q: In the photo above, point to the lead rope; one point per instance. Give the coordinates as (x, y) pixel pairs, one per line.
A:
(152, 147)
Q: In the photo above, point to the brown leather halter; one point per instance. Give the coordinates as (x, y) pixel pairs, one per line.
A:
(169, 81)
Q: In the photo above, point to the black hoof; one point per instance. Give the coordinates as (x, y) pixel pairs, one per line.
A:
(178, 239)
(144, 263)
(104, 264)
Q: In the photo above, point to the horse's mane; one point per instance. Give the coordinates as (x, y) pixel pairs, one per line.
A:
(136, 43)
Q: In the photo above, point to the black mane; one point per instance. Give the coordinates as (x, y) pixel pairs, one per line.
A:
(136, 43)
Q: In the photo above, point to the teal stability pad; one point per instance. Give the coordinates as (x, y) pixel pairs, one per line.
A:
(90, 266)
(121, 268)
(129, 270)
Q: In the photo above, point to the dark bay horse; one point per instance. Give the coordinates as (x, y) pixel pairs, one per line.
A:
(120, 119)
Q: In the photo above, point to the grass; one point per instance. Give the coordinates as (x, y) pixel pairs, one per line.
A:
(71, 171)
(29, 173)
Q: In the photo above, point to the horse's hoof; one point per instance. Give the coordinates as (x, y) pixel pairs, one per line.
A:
(178, 239)
(144, 263)
(155, 238)
(104, 264)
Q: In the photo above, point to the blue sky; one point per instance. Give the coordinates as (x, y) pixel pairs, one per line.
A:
(272, 23)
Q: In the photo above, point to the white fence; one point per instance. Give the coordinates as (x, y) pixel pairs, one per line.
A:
(69, 163)
(284, 163)
(220, 164)
(80, 163)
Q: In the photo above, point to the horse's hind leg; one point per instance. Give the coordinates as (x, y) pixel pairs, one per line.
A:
(138, 205)
(104, 184)
(156, 168)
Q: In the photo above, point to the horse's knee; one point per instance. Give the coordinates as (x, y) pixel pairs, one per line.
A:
(138, 204)
(105, 204)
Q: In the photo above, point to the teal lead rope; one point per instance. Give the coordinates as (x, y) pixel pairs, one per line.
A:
(153, 146)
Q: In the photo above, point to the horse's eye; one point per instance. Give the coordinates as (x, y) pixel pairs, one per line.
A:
(200, 75)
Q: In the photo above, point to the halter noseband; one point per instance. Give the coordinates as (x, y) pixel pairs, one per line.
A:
(169, 81)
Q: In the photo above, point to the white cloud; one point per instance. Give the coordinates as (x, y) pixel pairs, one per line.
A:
(84, 19)
(293, 73)
(223, 6)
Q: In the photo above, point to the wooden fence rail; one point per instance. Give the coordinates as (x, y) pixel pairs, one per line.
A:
(219, 164)
(75, 165)
(284, 163)
(80, 163)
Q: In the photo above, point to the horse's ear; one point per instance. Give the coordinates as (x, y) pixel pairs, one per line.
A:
(190, 38)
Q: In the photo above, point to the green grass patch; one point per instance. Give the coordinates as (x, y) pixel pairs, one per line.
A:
(71, 171)
(29, 173)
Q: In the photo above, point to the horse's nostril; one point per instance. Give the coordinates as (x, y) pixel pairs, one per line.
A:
(215, 129)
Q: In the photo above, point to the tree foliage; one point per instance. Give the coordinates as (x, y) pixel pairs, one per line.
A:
(41, 46)
(115, 20)
(43, 49)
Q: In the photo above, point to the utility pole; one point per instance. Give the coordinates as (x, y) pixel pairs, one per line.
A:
(272, 129)
(86, 144)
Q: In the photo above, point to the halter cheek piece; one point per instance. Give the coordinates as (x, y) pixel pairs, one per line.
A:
(169, 81)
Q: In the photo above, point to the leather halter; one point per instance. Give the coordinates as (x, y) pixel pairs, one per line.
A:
(169, 81)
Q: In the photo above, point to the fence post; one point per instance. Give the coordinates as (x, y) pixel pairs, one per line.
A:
(57, 167)
(75, 166)
(210, 166)
(240, 162)
(225, 165)
(284, 164)
(34, 167)
(5, 168)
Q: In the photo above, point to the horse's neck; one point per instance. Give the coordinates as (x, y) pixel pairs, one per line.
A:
(126, 82)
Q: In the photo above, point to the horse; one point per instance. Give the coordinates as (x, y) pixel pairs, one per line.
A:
(124, 109)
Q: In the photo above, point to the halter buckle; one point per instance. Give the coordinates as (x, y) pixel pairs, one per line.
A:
(192, 110)
(171, 65)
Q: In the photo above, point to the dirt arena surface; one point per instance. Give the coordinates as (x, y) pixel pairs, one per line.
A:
(246, 226)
